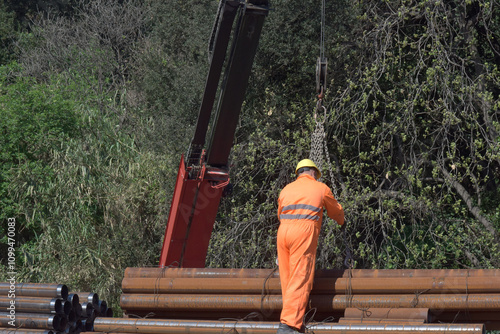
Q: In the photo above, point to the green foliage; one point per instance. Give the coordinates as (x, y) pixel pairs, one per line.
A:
(103, 103)
(248, 218)
(412, 139)
(7, 33)
(170, 73)
(86, 202)
(416, 135)
(34, 122)
(275, 131)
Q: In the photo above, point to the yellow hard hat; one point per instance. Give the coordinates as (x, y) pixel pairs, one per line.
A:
(307, 163)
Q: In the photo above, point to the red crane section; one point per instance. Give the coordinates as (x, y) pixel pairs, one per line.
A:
(203, 176)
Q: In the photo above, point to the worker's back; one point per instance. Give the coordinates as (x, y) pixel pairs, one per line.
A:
(305, 198)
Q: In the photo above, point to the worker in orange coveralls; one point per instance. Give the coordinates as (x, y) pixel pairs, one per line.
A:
(300, 210)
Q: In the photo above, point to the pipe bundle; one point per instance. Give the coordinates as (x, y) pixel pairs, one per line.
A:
(45, 308)
(382, 297)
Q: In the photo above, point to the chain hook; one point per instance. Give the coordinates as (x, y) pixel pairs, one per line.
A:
(320, 107)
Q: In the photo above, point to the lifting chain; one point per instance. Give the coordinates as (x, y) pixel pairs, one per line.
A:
(318, 137)
(319, 145)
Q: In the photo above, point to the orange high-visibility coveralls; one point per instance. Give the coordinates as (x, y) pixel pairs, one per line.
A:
(300, 210)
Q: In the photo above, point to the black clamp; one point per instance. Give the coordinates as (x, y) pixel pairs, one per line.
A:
(321, 69)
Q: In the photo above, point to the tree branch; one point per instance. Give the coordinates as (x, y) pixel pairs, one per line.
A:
(474, 210)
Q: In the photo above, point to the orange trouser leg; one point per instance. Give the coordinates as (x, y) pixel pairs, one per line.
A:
(297, 243)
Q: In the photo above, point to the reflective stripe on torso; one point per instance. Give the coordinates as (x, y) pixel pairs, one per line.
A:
(314, 215)
(305, 199)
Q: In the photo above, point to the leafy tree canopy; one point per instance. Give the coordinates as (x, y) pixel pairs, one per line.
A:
(98, 100)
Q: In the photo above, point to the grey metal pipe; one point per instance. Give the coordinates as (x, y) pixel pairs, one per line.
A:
(25, 331)
(78, 310)
(388, 313)
(88, 325)
(79, 325)
(72, 317)
(87, 309)
(74, 299)
(66, 305)
(89, 297)
(379, 321)
(109, 312)
(92, 315)
(34, 320)
(34, 304)
(152, 326)
(35, 290)
(102, 306)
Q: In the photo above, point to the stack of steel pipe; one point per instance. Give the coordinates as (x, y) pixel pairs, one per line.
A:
(418, 297)
(90, 307)
(33, 308)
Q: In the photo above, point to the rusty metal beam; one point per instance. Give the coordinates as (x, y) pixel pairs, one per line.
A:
(390, 285)
(153, 326)
(331, 273)
(149, 272)
(323, 303)
(203, 303)
(436, 302)
(254, 315)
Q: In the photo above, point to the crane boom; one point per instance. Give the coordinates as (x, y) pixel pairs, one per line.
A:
(202, 177)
